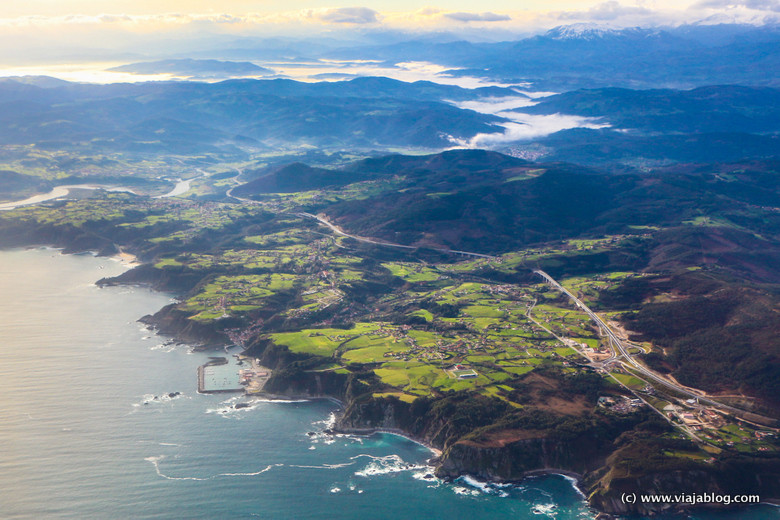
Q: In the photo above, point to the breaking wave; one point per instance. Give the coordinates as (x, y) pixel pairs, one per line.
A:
(156, 463)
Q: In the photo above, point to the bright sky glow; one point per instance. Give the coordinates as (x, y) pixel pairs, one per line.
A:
(54, 31)
(141, 12)
(243, 7)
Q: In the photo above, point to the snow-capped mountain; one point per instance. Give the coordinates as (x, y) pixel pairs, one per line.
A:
(593, 31)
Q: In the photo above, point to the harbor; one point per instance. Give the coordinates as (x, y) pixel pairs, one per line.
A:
(236, 374)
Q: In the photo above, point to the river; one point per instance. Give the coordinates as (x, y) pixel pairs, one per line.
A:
(60, 191)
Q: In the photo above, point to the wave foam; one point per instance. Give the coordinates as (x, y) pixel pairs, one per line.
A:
(573, 481)
(148, 399)
(165, 347)
(156, 463)
(460, 490)
(488, 488)
(323, 466)
(233, 406)
(385, 465)
(545, 509)
(426, 475)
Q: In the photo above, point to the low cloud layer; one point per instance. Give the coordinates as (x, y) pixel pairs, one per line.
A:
(606, 11)
(756, 5)
(528, 126)
(522, 126)
(353, 15)
(477, 17)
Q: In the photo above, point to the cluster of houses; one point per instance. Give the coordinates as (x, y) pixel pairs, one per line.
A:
(620, 404)
(696, 418)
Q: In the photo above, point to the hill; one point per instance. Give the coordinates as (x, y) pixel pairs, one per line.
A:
(487, 202)
(195, 68)
(236, 115)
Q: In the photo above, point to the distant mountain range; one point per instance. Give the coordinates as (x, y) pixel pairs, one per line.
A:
(705, 109)
(706, 124)
(195, 68)
(714, 123)
(188, 117)
(592, 56)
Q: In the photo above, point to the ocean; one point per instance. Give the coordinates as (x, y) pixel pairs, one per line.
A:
(100, 419)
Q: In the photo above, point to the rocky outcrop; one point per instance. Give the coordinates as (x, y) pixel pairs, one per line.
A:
(69, 238)
(173, 322)
(617, 487)
(609, 465)
(178, 281)
(516, 460)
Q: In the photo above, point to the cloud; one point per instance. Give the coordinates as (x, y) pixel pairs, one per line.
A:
(477, 17)
(527, 126)
(350, 15)
(519, 125)
(609, 10)
(756, 5)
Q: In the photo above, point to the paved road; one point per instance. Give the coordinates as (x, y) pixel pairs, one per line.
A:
(337, 230)
(618, 344)
(613, 339)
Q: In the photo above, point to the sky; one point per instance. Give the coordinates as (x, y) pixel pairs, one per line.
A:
(40, 30)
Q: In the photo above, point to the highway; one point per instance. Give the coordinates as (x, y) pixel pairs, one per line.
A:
(618, 349)
(618, 344)
(337, 230)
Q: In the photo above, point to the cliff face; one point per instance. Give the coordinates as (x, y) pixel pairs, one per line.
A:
(608, 463)
(69, 238)
(515, 460)
(494, 454)
(172, 322)
(747, 476)
(296, 375)
(608, 495)
(629, 471)
(176, 281)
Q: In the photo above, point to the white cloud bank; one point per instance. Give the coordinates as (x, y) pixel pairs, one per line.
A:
(522, 126)
(477, 17)
(524, 19)
(528, 126)
(348, 15)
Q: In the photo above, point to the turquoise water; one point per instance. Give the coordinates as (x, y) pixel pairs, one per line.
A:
(88, 430)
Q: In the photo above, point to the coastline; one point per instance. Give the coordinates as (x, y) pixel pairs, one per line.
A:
(59, 192)
(128, 261)
(367, 432)
(361, 432)
(574, 478)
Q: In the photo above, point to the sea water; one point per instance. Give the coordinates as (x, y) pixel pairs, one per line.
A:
(100, 419)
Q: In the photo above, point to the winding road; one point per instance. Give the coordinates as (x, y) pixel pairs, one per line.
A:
(339, 231)
(619, 349)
